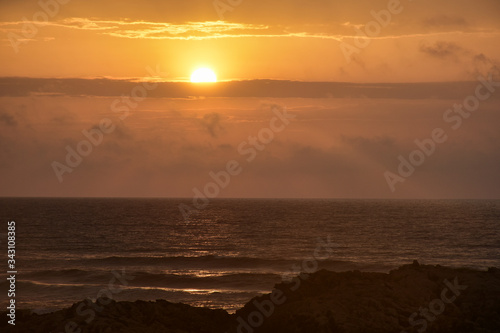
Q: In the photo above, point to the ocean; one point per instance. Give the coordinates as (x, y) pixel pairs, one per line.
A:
(68, 250)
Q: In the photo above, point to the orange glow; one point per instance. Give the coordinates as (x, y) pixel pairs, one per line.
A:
(203, 75)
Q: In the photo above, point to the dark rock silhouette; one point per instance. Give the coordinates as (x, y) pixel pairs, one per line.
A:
(376, 302)
(413, 298)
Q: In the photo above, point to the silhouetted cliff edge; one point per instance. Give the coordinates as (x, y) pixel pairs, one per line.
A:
(413, 298)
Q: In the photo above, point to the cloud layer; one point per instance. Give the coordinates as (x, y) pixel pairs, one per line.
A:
(166, 147)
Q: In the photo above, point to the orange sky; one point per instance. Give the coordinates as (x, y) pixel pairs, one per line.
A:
(165, 141)
(293, 39)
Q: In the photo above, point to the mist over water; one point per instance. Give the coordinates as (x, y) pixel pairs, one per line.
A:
(68, 249)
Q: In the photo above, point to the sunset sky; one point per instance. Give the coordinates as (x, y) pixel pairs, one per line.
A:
(292, 39)
(342, 137)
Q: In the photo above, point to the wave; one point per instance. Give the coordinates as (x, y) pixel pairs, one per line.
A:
(197, 262)
(47, 297)
(210, 260)
(231, 281)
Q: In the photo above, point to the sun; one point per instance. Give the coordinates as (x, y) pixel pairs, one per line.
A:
(203, 75)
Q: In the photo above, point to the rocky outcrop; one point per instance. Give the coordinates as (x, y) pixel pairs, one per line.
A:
(413, 298)
(127, 317)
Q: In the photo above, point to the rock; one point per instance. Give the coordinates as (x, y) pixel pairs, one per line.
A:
(140, 316)
(352, 302)
(413, 298)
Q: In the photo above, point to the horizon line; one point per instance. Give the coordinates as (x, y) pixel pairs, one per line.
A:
(187, 80)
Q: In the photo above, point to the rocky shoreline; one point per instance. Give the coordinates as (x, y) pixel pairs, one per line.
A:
(412, 298)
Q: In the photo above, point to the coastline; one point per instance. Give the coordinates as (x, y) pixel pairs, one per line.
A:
(412, 298)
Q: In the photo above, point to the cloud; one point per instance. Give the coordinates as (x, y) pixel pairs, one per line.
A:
(336, 148)
(201, 30)
(212, 123)
(7, 119)
(443, 50)
(381, 148)
(154, 30)
(64, 118)
(483, 65)
(446, 21)
(270, 106)
(474, 63)
(248, 88)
